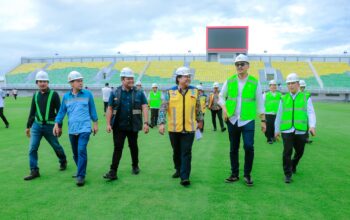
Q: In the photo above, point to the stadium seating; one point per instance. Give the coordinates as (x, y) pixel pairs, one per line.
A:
(217, 72)
(163, 69)
(287, 67)
(64, 65)
(325, 68)
(136, 66)
(26, 68)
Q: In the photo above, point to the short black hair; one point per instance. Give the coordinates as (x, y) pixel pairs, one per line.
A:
(177, 79)
(107, 84)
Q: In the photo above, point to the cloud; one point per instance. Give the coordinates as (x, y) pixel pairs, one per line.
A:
(94, 27)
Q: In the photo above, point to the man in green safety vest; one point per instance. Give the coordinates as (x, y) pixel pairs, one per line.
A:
(44, 108)
(308, 94)
(240, 97)
(295, 117)
(155, 101)
(272, 100)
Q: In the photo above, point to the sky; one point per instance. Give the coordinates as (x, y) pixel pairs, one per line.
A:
(104, 27)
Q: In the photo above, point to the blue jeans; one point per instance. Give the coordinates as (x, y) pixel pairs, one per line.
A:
(247, 132)
(79, 143)
(37, 132)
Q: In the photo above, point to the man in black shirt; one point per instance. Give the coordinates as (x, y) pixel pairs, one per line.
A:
(41, 120)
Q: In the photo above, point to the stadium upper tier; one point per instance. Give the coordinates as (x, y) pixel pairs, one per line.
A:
(136, 66)
(217, 72)
(163, 69)
(326, 68)
(92, 65)
(27, 68)
(286, 67)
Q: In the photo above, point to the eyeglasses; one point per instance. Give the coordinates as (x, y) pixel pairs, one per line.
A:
(240, 64)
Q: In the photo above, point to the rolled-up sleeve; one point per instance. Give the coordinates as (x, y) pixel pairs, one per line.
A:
(223, 95)
(260, 99)
(278, 118)
(311, 114)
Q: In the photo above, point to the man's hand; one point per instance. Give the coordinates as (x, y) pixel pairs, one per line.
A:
(200, 124)
(263, 127)
(95, 128)
(57, 131)
(224, 114)
(28, 132)
(312, 131)
(161, 129)
(109, 128)
(145, 128)
(277, 136)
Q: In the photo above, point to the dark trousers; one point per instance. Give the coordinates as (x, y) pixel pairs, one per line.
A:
(15, 96)
(182, 152)
(2, 116)
(270, 127)
(105, 105)
(154, 116)
(247, 132)
(290, 141)
(213, 118)
(119, 139)
(202, 129)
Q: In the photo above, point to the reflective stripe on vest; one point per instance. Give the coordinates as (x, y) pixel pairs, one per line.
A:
(248, 105)
(155, 99)
(272, 102)
(47, 112)
(182, 110)
(294, 112)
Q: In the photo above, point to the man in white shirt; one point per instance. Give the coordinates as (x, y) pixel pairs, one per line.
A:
(239, 98)
(106, 92)
(2, 116)
(295, 117)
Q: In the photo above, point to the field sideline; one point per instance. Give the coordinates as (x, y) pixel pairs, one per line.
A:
(320, 189)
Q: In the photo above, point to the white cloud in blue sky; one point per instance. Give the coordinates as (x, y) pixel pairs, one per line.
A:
(93, 27)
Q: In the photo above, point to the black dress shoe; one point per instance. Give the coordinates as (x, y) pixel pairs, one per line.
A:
(8, 125)
(185, 182)
(80, 181)
(111, 175)
(308, 141)
(176, 174)
(288, 179)
(33, 174)
(294, 170)
(223, 129)
(231, 179)
(135, 170)
(248, 181)
(214, 129)
(270, 142)
(63, 166)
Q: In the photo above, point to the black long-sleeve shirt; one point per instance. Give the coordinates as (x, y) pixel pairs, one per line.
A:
(42, 101)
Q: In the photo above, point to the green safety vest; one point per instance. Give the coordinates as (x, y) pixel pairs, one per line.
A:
(155, 99)
(272, 102)
(248, 105)
(39, 119)
(294, 112)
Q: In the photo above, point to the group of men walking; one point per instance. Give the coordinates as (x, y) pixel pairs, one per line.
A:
(182, 107)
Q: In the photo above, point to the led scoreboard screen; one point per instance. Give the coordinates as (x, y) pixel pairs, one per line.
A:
(227, 39)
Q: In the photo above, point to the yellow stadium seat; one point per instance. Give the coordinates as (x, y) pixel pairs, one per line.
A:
(325, 68)
(63, 65)
(163, 69)
(286, 67)
(136, 66)
(27, 68)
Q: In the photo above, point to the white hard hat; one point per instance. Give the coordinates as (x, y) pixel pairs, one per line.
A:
(216, 85)
(183, 71)
(127, 72)
(302, 83)
(293, 77)
(272, 82)
(241, 58)
(74, 75)
(42, 75)
(154, 85)
(199, 87)
(138, 83)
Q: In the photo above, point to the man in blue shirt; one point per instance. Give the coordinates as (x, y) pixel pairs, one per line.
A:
(80, 108)
(124, 116)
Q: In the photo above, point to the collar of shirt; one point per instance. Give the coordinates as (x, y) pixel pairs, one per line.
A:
(294, 95)
(127, 90)
(80, 92)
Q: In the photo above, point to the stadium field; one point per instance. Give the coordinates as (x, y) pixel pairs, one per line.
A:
(320, 189)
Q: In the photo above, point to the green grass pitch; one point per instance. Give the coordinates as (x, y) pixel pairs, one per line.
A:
(320, 189)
